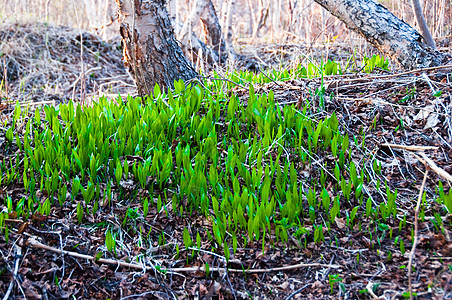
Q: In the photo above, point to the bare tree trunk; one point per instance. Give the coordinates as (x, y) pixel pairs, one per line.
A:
(214, 49)
(212, 28)
(422, 23)
(228, 28)
(151, 51)
(262, 19)
(386, 32)
(252, 17)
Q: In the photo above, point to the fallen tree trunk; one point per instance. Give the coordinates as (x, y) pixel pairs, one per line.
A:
(386, 32)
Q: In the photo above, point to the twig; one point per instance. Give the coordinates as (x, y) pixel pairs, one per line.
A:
(447, 286)
(409, 148)
(82, 72)
(390, 104)
(297, 291)
(34, 243)
(435, 168)
(270, 78)
(371, 292)
(425, 77)
(413, 249)
(5, 76)
(18, 255)
(228, 80)
(353, 251)
(29, 104)
(136, 296)
(386, 76)
(255, 271)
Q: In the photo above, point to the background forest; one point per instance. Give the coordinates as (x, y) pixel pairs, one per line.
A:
(308, 166)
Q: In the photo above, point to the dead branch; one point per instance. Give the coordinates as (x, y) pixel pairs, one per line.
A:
(413, 249)
(410, 148)
(34, 243)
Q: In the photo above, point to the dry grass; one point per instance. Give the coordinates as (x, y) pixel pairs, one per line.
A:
(44, 64)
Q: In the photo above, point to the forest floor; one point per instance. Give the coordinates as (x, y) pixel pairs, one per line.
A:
(380, 109)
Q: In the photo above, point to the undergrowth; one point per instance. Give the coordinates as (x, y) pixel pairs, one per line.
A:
(257, 171)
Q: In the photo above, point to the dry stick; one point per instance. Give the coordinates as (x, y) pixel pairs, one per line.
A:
(389, 103)
(381, 76)
(297, 291)
(369, 287)
(413, 249)
(34, 243)
(429, 82)
(5, 76)
(228, 80)
(255, 271)
(410, 148)
(18, 254)
(270, 78)
(435, 168)
(447, 286)
(80, 77)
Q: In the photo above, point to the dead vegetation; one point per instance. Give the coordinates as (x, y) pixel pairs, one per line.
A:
(43, 65)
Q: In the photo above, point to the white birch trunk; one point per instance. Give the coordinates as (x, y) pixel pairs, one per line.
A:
(151, 51)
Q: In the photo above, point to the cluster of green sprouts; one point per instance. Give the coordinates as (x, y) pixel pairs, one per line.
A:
(241, 164)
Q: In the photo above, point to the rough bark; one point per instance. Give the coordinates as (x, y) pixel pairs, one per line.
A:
(385, 31)
(214, 49)
(151, 51)
(173, 12)
(422, 23)
(211, 26)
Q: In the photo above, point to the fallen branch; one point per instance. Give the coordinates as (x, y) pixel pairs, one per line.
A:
(435, 168)
(34, 243)
(409, 148)
(413, 249)
(255, 271)
(425, 159)
(17, 257)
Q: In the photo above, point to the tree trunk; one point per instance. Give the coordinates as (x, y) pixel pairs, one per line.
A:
(174, 14)
(214, 49)
(228, 28)
(386, 32)
(151, 51)
(262, 19)
(422, 23)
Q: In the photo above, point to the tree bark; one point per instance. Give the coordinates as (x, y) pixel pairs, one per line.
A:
(151, 51)
(422, 23)
(214, 49)
(386, 32)
(212, 28)
(174, 15)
